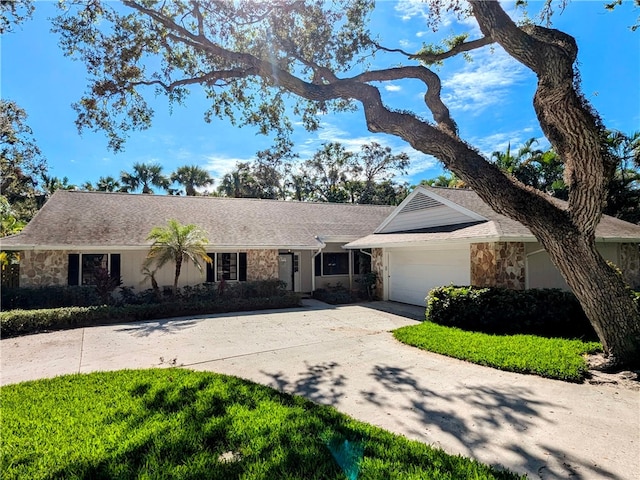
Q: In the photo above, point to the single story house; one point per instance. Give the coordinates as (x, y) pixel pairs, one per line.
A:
(436, 236)
(249, 239)
(441, 236)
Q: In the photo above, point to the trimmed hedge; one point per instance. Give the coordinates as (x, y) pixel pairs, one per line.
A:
(54, 296)
(21, 322)
(542, 312)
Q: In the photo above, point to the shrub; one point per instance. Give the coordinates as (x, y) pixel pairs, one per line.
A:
(49, 297)
(334, 295)
(543, 312)
(21, 322)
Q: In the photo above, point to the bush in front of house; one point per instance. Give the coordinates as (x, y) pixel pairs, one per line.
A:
(543, 312)
(32, 298)
(334, 295)
(48, 297)
(21, 322)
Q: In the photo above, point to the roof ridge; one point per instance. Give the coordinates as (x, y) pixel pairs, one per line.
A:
(221, 198)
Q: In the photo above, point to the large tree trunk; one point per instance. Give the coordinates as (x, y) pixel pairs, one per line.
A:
(566, 119)
(602, 292)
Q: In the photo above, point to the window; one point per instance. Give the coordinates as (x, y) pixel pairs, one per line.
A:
(227, 266)
(83, 267)
(332, 264)
(92, 263)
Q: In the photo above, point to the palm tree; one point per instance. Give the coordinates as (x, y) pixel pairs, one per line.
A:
(107, 184)
(239, 183)
(87, 186)
(446, 180)
(192, 176)
(176, 243)
(145, 176)
(50, 184)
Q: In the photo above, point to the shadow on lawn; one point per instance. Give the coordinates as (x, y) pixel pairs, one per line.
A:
(180, 425)
(509, 411)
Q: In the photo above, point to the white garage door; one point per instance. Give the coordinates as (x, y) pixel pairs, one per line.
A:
(412, 273)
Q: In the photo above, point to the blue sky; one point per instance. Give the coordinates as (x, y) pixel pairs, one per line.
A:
(490, 98)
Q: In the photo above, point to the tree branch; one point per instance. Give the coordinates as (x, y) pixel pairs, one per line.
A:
(431, 97)
(429, 58)
(567, 120)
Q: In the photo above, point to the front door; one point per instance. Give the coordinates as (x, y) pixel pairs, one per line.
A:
(285, 269)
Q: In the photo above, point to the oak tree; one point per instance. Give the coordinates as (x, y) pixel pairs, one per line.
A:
(255, 59)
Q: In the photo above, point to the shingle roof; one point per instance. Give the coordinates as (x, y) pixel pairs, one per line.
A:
(496, 227)
(85, 219)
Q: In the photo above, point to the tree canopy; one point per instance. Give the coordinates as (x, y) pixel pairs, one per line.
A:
(21, 161)
(260, 62)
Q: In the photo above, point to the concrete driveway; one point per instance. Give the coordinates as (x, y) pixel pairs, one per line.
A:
(346, 357)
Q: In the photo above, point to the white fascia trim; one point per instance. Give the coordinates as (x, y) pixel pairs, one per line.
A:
(469, 213)
(212, 247)
(336, 238)
(617, 240)
(395, 213)
(444, 242)
(453, 205)
(87, 248)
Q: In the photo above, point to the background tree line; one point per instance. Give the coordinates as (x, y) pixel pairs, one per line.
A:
(332, 174)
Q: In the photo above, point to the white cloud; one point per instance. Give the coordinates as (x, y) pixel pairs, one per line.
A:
(406, 44)
(219, 165)
(410, 9)
(392, 88)
(483, 82)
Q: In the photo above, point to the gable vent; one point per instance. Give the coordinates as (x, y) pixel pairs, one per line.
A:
(421, 202)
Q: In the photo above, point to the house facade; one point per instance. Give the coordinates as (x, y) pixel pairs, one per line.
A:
(436, 237)
(249, 239)
(441, 236)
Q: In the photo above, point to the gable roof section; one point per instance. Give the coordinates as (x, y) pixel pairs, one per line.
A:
(494, 227)
(72, 219)
(426, 209)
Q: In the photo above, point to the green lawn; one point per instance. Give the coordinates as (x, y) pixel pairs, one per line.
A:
(180, 424)
(548, 357)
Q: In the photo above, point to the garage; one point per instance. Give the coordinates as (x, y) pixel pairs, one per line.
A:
(412, 273)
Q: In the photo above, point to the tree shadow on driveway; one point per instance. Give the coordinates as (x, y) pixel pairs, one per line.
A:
(164, 326)
(320, 383)
(491, 423)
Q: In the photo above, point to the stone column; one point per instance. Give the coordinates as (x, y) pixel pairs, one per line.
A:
(498, 264)
(630, 263)
(377, 266)
(262, 265)
(40, 268)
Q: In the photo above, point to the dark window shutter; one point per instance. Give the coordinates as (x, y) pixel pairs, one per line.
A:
(115, 266)
(242, 266)
(74, 269)
(318, 265)
(210, 269)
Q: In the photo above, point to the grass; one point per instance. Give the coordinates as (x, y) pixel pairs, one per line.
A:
(180, 424)
(548, 357)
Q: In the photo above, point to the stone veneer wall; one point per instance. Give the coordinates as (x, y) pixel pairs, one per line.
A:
(630, 263)
(44, 267)
(262, 264)
(498, 264)
(377, 265)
